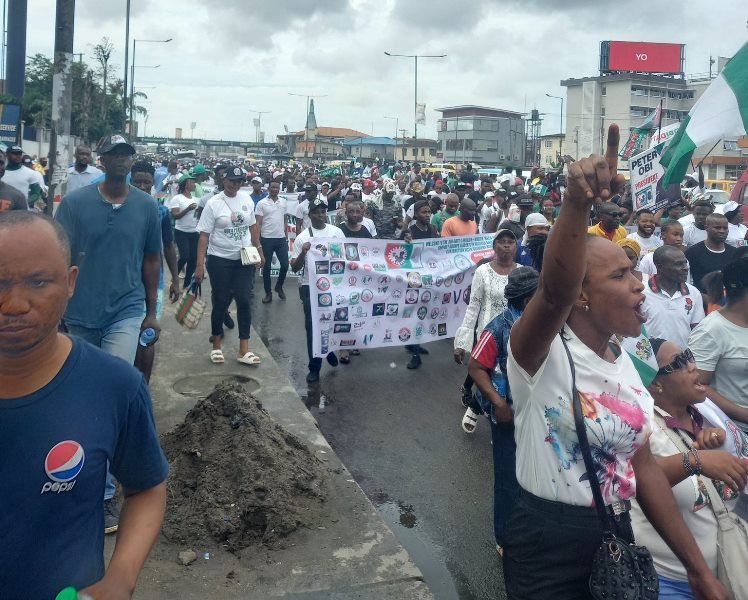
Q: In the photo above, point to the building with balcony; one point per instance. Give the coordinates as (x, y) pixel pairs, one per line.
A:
(552, 148)
(481, 135)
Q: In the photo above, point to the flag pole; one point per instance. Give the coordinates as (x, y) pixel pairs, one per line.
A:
(659, 123)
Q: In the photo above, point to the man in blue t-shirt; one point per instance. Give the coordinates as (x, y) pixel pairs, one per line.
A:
(115, 239)
(67, 410)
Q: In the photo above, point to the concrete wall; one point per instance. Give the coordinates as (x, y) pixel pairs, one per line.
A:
(483, 140)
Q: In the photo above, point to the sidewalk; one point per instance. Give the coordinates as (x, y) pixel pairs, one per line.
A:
(354, 556)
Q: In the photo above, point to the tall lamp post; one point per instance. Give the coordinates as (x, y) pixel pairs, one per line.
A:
(561, 126)
(132, 73)
(397, 124)
(259, 114)
(306, 120)
(415, 58)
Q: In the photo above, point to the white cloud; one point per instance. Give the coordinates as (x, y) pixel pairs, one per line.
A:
(232, 56)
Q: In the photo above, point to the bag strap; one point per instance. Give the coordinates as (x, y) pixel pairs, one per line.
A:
(715, 500)
(584, 446)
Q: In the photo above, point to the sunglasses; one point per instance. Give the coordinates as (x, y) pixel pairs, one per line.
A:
(620, 215)
(679, 362)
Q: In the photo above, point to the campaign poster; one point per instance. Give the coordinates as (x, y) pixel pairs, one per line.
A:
(368, 293)
(10, 124)
(646, 171)
(664, 135)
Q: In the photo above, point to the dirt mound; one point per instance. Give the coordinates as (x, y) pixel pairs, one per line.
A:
(237, 477)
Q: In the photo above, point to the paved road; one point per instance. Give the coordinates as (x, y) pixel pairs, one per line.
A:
(398, 432)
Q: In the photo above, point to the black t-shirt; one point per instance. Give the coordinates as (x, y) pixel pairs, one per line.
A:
(703, 261)
(418, 234)
(361, 233)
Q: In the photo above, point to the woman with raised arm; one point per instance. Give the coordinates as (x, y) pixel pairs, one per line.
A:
(587, 294)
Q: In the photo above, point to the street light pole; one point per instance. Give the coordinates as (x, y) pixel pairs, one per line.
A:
(415, 58)
(129, 106)
(561, 126)
(306, 120)
(259, 122)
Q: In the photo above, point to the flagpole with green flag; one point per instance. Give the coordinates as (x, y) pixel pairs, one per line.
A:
(721, 111)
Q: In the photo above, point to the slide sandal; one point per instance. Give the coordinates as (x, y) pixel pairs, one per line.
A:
(469, 421)
(216, 357)
(250, 358)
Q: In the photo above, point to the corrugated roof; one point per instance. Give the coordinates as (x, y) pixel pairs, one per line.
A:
(336, 132)
(370, 141)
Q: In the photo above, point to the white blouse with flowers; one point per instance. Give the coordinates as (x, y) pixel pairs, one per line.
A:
(618, 413)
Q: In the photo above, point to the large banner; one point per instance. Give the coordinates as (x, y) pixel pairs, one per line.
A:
(646, 171)
(10, 124)
(372, 293)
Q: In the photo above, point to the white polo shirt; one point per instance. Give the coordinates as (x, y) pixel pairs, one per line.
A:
(273, 215)
(648, 245)
(672, 317)
(78, 180)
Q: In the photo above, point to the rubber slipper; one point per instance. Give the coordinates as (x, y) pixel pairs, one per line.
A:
(469, 421)
(250, 358)
(216, 357)
(345, 360)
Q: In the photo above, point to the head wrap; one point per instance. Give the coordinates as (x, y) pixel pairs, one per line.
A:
(629, 243)
(523, 281)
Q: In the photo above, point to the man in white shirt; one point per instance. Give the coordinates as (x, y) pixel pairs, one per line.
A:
(671, 234)
(672, 306)
(696, 231)
(24, 179)
(319, 228)
(489, 209)
(82, 173)
(644, 234)
(270, 213)
(302, 210)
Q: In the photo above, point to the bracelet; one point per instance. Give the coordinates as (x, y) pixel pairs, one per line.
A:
(687, 465)
(698, 460)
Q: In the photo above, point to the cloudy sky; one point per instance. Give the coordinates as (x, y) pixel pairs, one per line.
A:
(233, 56)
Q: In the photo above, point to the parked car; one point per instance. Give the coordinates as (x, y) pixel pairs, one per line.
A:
(740, 194)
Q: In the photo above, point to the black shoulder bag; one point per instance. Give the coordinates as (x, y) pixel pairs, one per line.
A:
(619, 570)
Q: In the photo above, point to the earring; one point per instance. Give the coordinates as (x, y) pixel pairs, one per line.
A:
(587, 308)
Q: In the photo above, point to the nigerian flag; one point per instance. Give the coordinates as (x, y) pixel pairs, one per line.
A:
(642, 355)
(722, 111)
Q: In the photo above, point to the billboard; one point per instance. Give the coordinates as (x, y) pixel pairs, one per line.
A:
(642, 57)
(10, 124)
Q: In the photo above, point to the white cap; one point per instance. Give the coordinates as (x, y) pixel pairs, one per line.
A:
(730, 206)
(257, 179)
(489, 195)
(534, 219)
(356, 186)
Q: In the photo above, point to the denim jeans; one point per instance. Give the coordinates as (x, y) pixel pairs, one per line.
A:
(505, 486)
(675, 590)
(229, 278)
(118, 339)
(279, 246)
(187, 246)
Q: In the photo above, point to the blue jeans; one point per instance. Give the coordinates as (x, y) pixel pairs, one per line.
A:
(118, 339)
(675, 590)
(505, 486)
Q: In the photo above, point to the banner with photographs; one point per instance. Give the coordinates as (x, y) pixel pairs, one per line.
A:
(374, 293)
(646, 174)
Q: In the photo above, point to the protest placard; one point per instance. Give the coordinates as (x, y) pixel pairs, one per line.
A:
(664, 135)
(646, 171)
(374, 293)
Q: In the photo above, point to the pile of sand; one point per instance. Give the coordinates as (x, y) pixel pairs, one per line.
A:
(237, 477)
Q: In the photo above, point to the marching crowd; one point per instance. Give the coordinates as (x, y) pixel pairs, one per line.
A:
(610, 366)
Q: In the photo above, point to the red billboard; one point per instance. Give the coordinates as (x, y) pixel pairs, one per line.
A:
(642, 57)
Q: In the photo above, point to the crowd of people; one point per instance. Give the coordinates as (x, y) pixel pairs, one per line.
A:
(645, 328)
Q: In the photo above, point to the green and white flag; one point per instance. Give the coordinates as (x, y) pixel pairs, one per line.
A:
(722, 111)
(642, 355)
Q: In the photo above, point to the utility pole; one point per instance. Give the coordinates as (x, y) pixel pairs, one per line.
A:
(402, 134)
(62, 98)
(258, 122)
(127, 65)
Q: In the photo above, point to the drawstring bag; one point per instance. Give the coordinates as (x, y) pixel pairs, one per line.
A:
(191, 306)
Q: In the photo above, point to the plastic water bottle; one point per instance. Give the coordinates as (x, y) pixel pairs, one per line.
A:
(147, 336)
(70, 593)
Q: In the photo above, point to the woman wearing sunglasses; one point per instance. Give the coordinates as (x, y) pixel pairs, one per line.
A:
(698, 447)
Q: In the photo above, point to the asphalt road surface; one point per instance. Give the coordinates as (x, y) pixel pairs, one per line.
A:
(399, 434)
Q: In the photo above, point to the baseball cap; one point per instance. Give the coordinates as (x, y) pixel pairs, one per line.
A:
(368, 183)
(14, 150)
(184, 178)
(235, 174)
(524, 200)
(439, 182)
(416, 187)
(256, 180)
(356, 186)
(310, 187)
(489, 195)
(316, 203)
(389, 186)
(462, 184)
(324, 183)
(198, 169)
(112, 141)
(277, 174)
(730, 206)
(504, 230)
(535, 219)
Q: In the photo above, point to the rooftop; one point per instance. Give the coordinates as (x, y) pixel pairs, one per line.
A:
(369, 141)
(336, 132)
(625, 77)
(463, 107)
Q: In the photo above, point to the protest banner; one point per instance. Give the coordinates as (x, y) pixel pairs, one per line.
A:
(664, 135)
(646, 171)
(374, 293)
(331, 172)
(637, 139)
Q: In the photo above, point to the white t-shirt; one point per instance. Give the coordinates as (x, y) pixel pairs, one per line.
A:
(369, 224)
(309, 234)
(694, 505)
(618, 413)
(647, 266)
(648, 245)
(228, 220)
(273, 217)
(188, 223)
(736, 233)
(21, 179)
(672, 317)
(721, 347)
(486, 212)
(302, 212)
(692, 235)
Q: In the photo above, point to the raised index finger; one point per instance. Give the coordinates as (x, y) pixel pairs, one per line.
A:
(611, 153)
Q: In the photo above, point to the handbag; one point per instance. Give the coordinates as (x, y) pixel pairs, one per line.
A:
(619, 569)
(250, 256)
(732, 532)
(190, 306)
